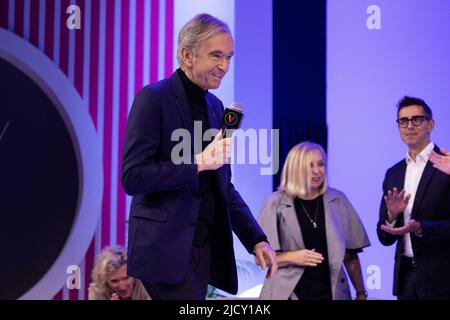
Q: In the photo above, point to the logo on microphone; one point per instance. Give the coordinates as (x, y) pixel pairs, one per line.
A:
(231, 118)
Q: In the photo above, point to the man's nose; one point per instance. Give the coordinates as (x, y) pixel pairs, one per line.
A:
(224, 64)
(410, 124)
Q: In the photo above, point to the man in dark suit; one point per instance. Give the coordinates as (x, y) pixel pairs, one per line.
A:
(184, 205)
(415, 210)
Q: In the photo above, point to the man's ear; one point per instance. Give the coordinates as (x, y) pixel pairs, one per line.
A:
(187, 57)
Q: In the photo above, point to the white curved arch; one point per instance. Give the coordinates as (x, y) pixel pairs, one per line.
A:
(69, 104)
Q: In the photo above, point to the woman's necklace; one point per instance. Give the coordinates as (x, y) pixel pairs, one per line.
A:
(314, 222)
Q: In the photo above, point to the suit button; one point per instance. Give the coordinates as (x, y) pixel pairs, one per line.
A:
(342, 280)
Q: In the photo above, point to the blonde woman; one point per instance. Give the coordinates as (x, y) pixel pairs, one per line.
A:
(315, 231)
(110, 279)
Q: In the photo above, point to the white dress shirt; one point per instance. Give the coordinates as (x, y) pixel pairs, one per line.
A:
(414, 171)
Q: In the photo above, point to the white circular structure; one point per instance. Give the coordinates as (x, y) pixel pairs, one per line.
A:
(63, 95)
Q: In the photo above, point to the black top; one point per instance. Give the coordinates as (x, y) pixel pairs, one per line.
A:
(315, 282)
(196, 98)
(207, 181)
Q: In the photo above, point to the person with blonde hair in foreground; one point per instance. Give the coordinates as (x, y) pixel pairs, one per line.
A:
(315, 231)
(110, 279)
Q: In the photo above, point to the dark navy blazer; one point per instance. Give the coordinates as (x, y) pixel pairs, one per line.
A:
(432, 209)
(166, 198)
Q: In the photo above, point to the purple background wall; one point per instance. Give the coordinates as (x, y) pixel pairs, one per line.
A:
(368, 71)
(253, 88)
(121, 46)
(126, 44)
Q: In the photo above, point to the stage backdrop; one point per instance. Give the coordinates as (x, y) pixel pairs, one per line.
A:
(121, 46)
(379, 51)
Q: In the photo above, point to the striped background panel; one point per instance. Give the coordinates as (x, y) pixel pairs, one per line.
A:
(121, 46)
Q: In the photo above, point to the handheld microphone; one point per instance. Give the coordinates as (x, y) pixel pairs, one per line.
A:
(231, 119)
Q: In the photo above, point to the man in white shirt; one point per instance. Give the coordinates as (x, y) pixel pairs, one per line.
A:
(415, 210)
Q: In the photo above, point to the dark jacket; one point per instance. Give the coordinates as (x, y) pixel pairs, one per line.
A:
(166, 198)
(432, 209)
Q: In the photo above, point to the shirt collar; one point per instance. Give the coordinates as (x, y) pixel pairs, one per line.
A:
(423, 156)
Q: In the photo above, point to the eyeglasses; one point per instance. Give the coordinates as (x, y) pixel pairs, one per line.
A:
(416, 121)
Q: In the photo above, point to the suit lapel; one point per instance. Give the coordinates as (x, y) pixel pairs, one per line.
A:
(398, 180)
(290, 217)
(335, 244)
(399, 176)
(182, 104)
(335, 239)
(427, 174)
(213, 118)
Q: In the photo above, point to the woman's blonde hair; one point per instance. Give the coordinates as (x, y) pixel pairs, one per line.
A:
(109, 261)
(296, 174)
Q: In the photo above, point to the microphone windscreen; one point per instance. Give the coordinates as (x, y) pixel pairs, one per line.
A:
(236, 107)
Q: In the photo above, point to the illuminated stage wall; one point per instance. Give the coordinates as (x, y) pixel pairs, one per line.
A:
(86, 79)
(121, 46)
(377, 52)
(69, 91)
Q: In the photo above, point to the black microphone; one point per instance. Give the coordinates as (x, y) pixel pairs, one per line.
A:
(231, 119)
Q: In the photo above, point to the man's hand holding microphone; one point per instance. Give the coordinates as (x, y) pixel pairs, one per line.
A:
(216, 154)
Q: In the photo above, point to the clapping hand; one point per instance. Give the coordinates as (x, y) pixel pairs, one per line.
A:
(396, 203)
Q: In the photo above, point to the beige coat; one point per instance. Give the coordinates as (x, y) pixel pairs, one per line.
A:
(343, 228)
